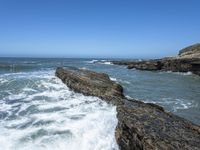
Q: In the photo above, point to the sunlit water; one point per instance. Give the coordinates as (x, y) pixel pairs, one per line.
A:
(37, 111)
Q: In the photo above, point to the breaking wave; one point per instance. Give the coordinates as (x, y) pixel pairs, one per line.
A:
(37, 111)
(105, 62)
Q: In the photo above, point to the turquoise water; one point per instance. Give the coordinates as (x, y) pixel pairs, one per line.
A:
(38, 111)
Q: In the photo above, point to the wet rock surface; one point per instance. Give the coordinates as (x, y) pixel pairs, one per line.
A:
(188, 59)
(141, 126)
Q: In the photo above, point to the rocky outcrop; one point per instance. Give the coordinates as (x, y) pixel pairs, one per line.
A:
(192, 51)
(148, 127)
(122, 62)
(187, 60)
(146, 65)
(91, 83)
(181, 65)
(141, 126)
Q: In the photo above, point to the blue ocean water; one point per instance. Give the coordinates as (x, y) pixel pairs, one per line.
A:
(38, 111)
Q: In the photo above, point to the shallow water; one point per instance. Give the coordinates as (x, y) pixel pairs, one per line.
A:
(37, 111)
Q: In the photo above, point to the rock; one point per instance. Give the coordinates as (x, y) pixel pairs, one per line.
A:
(123, 62)
(140, 65)
(182, 65)
(147, 127)
(91, 83)
(141, 126)
(188, 59)
(146, 65)
(191, 51)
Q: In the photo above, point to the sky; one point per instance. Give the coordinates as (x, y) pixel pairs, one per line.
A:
(97, 28)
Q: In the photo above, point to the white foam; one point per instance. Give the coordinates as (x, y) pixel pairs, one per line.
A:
(113, 79)
(84, 68)
(128, 97)
(179, 73)
(105, 62)
(51, 116)
(3, 81)
(126, 82)
(174, 103)
(121, 81)
(92, 61)
(184, 73)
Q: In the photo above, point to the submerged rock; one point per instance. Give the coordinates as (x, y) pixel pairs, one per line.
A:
(141, 126)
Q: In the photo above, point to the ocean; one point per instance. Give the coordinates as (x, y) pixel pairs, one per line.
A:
(37, 111)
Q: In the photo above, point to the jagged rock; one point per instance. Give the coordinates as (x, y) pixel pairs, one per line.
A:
(141, 126)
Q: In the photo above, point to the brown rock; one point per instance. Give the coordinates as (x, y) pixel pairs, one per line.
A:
(141, 126)
(187, 60)
(146, 65)
(91, 83)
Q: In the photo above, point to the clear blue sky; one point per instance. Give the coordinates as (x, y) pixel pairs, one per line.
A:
(97, 28)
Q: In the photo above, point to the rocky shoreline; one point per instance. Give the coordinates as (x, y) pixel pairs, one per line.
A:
(188, 60)
(141, 126)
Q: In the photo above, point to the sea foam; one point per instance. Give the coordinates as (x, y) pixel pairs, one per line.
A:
(45, 114)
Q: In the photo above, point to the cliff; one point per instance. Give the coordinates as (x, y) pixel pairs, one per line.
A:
(192, 51)
(141, 126)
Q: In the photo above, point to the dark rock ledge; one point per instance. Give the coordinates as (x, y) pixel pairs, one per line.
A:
(188, 59)
(141, 126)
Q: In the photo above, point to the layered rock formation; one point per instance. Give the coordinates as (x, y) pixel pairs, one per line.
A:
(91, 83)
(187, 60)
(192, 51)
(141, 126)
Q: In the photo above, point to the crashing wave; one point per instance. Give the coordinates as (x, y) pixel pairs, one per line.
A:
(42, 113)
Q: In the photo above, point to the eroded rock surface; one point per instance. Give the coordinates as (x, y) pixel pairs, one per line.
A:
(91, 83)
(144, 126)
(141, 126)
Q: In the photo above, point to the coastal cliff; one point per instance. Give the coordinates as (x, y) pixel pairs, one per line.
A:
(188, 59)
(141, 126)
